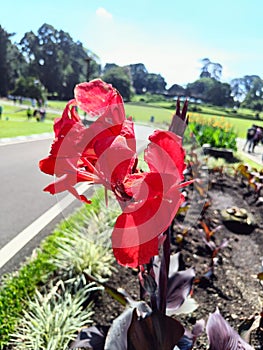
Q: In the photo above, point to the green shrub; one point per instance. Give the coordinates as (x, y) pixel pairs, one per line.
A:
(216, 134)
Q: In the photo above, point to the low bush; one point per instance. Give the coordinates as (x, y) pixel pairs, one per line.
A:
(216, 134)
(52, 319)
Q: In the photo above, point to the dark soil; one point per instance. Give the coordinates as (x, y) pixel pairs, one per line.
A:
(233, 287)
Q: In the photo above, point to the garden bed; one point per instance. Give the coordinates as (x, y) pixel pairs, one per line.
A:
(234, 287)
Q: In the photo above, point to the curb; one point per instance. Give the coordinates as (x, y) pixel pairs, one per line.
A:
(18, 139)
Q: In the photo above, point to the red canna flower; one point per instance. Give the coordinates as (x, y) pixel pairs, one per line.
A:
(105, 153)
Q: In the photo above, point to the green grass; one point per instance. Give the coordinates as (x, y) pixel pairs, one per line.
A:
(14, 122)
(18, 125)
(56, 104)
(143, 113)
(13, 128)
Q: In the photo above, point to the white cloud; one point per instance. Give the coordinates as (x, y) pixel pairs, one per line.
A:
(103, 13)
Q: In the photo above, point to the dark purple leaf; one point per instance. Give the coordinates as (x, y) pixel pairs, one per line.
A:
(221, 336)
(198, 328)
(117, 335)
(188, 340)
(188, 306)
(174, 266)
(157, 331)
(92, 338)
(179, 287)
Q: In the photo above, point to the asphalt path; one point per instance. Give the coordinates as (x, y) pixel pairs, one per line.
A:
(23, 202)
(22, 198)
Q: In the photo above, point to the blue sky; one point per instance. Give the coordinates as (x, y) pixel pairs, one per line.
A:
(169, 37)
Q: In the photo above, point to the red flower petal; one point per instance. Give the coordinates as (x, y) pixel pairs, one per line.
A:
(144, 220)
(138, 255)
(116, 162)
(99, 98)
(65, 183)
(165, 154)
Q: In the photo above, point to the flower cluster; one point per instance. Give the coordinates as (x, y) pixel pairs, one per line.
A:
(105, 153)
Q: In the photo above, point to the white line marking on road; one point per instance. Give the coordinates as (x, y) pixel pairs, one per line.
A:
(17, 243)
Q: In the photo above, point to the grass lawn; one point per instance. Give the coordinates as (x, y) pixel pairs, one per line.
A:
(163, 115)
(144, 113)
(162, 111)
(14, 121)
(13, 128)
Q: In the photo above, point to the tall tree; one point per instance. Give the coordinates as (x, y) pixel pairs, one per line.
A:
(211, 91)
(211, 69)
(12, 64)
(246, 88)
(139, 75)
(254, 92)
(120, 79)
(155, 83)
(56, 60)
(30, 87)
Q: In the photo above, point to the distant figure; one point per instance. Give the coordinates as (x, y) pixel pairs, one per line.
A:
(250, 134)
(28, 113)
(42, 113)
(256, 139)
(1, 111)
(152, 119)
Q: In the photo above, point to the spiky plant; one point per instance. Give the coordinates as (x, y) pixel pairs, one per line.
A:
(52, 319)
(76, 254)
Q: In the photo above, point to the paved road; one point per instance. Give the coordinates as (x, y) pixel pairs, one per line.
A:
(257, 156)
(22, 198)
(23, 201)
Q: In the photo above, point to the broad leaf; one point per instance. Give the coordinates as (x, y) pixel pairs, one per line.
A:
(117, 336)
(156, 331)
(92, 338)
(188, 306)
(179, 287)
(221, 336)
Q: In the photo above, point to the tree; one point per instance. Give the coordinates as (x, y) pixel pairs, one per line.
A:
(155, 83)
(30, 87)
(210, 69)
(176, 90)
(211, 91)
(120, 79)
(138, 75)
(56, 60)
(248, 90)
(12, 64)
(109, 66)
(254, 95)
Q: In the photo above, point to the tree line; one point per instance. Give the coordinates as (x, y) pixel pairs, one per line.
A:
(50, 63)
